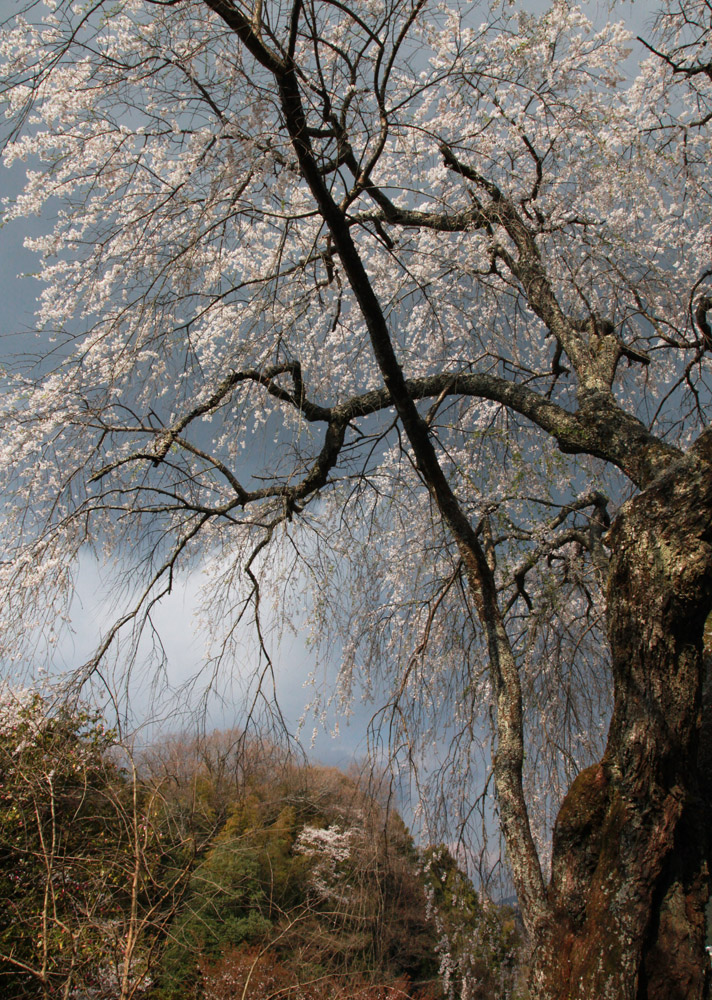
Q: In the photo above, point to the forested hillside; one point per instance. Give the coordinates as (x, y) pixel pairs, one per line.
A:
(206, 869)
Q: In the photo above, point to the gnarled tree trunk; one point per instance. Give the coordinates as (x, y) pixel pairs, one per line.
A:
(631, 846)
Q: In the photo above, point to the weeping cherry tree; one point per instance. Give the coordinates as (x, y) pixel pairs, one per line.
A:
(397, 314)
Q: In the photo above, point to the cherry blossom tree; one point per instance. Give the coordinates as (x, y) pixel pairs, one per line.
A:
(454, 263)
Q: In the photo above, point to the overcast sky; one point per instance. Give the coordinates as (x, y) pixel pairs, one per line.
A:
(293, 662)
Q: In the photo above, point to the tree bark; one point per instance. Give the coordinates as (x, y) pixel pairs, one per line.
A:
(630, 874)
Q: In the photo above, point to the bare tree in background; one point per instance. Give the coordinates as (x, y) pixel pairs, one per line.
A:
(92, 868)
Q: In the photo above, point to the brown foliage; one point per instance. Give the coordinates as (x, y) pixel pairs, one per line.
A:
(249, 974)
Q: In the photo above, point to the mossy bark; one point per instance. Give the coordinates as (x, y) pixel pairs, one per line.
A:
(631, 847)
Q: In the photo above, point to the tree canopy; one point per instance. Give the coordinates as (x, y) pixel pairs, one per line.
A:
(454, 262)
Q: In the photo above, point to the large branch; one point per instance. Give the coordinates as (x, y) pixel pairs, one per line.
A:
(594, 362)
(592, 345)
(606, 433)
(600, 428)
(510, 754)
(248, 32)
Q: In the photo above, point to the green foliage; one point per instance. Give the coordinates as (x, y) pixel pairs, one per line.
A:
(226, 906)
(310, 871)
(479, 942)
(182, 874)
(92, 863)
(57, 837)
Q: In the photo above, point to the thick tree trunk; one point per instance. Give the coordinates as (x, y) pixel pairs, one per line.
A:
(631, 846)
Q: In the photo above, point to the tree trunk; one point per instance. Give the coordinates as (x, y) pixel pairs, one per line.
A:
(631, 845)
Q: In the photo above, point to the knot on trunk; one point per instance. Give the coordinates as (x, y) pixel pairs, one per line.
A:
(577, 841)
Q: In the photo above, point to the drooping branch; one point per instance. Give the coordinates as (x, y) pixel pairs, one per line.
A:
(510, 755)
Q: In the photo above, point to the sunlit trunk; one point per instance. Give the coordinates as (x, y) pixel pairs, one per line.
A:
(631, 845)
